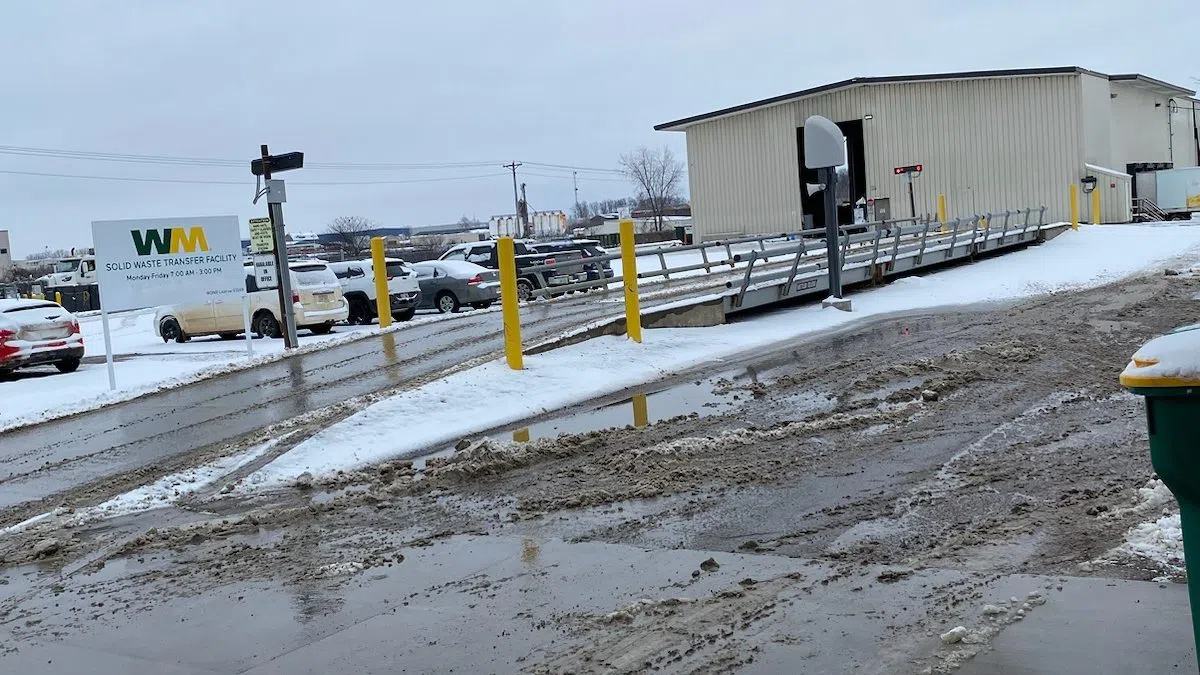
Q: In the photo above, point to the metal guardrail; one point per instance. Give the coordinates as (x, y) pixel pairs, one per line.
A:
(777, 248)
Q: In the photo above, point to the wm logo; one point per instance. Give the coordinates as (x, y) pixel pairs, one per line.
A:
(172, 240)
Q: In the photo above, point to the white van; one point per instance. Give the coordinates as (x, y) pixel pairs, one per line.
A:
(316, 299)
(358, 285)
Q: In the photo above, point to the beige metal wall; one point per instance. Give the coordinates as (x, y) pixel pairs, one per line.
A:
(1182, 126)
(1116, 196)
(1096, 120)
(987, 144)
(1139, 129)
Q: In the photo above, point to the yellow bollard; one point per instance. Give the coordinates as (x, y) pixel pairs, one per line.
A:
(508, 303)
(1074, 206)
(58, 297)
(641, 412)
(521, 435)
(1096, 207)
(942, 209)
(633, 310)
(383, 299)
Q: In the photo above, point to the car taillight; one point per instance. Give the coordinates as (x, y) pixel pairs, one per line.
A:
(74, 327)
(6, 335)
(295, 298)
(477, 279)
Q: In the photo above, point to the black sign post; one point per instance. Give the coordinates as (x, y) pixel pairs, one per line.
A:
(911, 171)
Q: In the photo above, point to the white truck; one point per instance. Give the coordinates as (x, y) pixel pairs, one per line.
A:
(1176, 192)
(73, 271)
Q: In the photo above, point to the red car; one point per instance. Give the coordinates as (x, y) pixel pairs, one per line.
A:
(36, 333)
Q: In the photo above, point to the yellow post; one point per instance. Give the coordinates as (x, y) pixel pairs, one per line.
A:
(521, 435)
(941, 208)
(383, 299)
(58, 297)
(1074, 206)
(1096, 206)
(508, 303)
(633, 310)
(641, 413)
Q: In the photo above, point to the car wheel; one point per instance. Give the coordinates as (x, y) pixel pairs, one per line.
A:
(524, 290)
(406, 315)
(266, 325)
(170, 330)
(446, 302)
(227, 336)
(482, 305)
(360, 312)
(67, 365)
(321, 328)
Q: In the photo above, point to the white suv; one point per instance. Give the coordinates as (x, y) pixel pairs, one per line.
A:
(316, 300)
(358, 285)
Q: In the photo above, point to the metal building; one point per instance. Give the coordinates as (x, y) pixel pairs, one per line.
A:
(987, 140)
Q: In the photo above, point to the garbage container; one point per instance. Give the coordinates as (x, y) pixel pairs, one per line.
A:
(1166, 370)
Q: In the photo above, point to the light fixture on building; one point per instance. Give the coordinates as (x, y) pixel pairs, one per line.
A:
(868, 116)
(1088, 183)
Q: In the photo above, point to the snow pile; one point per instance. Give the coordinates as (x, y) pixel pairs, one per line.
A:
(1173, 356)
(1160, 541)
(492, 395)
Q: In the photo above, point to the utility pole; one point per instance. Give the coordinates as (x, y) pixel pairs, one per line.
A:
(524, 212)
(575, 182)
(516, 199)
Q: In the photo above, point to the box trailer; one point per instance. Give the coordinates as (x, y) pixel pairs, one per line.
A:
(1175, 192)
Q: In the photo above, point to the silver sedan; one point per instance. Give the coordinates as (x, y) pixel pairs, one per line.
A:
(448, 285)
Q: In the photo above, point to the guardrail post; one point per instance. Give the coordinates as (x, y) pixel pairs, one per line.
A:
(924, 238)
(704, 257)
(729, 255)
(662, 261)
(954, 237)
(508, 303)
(1074, 199)
(629, 276)
(987, 229)
(787, 288)
(896, 245)
(974, 235)
(383, 300)
(746, 279)
(1025, 227)
(1004, 232)
(1041, 217)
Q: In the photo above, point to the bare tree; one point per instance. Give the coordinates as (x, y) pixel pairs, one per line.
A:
(469, 223)
(352, 233)
(658, 177)
(49, 254)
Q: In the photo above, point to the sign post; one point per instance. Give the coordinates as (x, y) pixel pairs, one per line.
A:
(276, 196)
(165, 261)
(825, 150)
(911, 171)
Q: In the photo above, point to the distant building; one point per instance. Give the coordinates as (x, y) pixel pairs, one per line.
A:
(989, 141)
(6, 261)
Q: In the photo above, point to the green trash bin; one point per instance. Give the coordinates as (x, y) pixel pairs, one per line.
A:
(1166, 370)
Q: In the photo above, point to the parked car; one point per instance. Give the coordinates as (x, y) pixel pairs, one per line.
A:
(447, 285)
(358, 286)
(484, 253)
(588, 248)
(316, 299)
(38, 332)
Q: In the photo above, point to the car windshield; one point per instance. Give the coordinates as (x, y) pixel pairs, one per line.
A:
(63, 266)
(313, 275)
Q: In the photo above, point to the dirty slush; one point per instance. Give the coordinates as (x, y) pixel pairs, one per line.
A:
(895, 470)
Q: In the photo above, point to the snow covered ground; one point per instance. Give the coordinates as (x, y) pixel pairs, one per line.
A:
(446, 410)
(145, 364)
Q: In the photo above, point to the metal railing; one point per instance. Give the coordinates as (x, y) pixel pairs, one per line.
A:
(868, 249)
(1145, 209)
(873, 241)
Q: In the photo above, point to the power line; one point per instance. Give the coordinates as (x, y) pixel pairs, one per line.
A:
(141, 179)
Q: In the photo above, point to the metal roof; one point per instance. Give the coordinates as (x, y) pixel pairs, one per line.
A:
(680, 124)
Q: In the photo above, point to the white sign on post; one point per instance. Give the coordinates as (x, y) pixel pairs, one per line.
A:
(264, 271)
(165, 261)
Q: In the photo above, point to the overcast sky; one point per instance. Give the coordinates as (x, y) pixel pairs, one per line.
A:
(566, 82)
